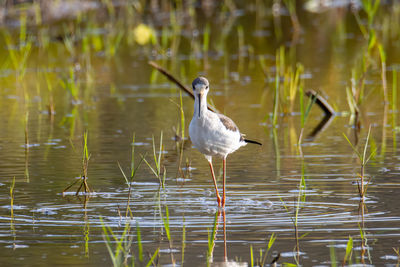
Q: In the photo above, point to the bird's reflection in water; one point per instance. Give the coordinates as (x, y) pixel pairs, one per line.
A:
(220, 217)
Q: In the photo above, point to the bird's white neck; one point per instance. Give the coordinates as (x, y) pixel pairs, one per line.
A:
(200, 105)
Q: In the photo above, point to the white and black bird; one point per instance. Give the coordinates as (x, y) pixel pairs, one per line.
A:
(213, 134)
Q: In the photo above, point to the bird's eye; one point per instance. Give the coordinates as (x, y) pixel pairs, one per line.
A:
(207, 87)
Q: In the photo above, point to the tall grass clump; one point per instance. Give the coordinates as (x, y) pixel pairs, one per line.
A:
(370, 8)
(364, 158)
(71, 85)
(261, 261)
(301, 200)
(85, 164)
(19, 50)
(120, 247)
(157, 169)
(180, 129)
(180, 134)
(287, 84)
(129, 181)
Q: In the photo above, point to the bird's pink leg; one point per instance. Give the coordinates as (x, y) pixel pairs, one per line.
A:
(223, 181)
(215, 183)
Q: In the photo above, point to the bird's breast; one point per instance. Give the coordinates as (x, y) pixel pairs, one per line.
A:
(212, 138)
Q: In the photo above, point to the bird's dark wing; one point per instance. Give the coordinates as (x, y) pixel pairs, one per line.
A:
(228, 123)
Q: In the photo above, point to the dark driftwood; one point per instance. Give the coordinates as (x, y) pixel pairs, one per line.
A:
(321, 102)
(328, 110)
(176, 81)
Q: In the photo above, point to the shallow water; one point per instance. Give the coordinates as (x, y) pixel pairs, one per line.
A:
(262, 182)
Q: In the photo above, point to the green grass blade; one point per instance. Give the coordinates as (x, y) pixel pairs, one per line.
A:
(251, 256)
(271, 241)
(160, 153)
(148, 164)
(154, 152)
(349, 248)
(139, 240)
(182, 116)
(166, 222)
(366, 145)
(183, 241)
(332, 254)
(153, 257)
(133, 156)
(354, 149)
(137, 167)
(123, 173)
(211, 238)
(12, 197)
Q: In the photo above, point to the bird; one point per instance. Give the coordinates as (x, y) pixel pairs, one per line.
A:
(213, 134)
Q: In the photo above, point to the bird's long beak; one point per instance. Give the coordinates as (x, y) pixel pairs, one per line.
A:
(199, 96)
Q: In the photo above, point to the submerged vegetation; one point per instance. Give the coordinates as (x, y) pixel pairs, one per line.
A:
(73, 67)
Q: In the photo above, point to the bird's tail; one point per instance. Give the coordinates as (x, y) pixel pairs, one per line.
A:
(252, 142)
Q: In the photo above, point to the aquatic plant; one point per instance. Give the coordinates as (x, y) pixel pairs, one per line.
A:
(183, 244)
(85, 163)
(71, 85)
(12, 195)
(122, 253)
(180, 130)
(261, 261)
(288, 83)
(349, 250)
(211, 239)
(180, 135)
(382, 55)
(394, 108)
(397, 251)
(276, 95)
(370, 7)
(165, 220)
(19, 50)
(364, 158)
(332, 255)
(301, 200)
(129, 181)
(157, 162)
(51, 106)
(112, 41)
(182, 114)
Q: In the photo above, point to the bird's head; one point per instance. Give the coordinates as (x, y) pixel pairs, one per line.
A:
(200, 86)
